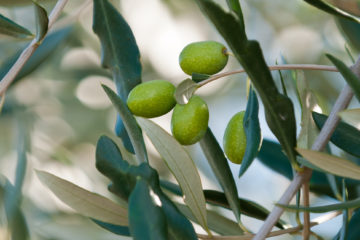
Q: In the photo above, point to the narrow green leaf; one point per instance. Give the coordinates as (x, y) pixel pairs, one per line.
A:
(131, 126)
(252, 131)
(117, 229)
(345, 136)
(10, 28)
(198, 77)
(120, 54)
(352, 116)
(146, 217)
(217, 222)
(326, 7)
(42, 22)
(353, 228)
(182, 167)
(84, 202)
(278, 108)
(349, 76)
(235, 6)
(221, 169)
(351, 32)
(185, 90)
(335, 165)
(248, 207)
(326, 208)
(344, 228)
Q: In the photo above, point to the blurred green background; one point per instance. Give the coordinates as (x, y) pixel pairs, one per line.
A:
(65, 109)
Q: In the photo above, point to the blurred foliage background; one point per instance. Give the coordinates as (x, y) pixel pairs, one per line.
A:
(59, 100)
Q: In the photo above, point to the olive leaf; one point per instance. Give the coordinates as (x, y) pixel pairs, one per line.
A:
(352, 116)
(185, 90)
(10, 28)
(42, 22)
(84, 202)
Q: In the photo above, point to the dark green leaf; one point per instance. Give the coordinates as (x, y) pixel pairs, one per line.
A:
(216, 222)
(349, 76)
(235, 6)
(13, 29)
(120, 54)
(326, 7)
(117, 229)
(353, 228)
(326, 208)
(198, 77)
(278, 108)
(146, 217)
(345, 136)
(248, 207)
(252, 131)
(351, 31)
(130, 123)
(47, 47)
(221, 169)
(42, 22)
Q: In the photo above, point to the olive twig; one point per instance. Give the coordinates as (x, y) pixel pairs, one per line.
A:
(272, 68)
(322, 139)
(29, 50)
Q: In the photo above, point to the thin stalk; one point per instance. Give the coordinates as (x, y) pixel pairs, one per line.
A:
(323, 138)
(29, 50)
(306, 229)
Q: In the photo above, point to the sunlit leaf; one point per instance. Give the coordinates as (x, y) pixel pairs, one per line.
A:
(185, 90)
(146, 217)
(84, 202)
(335, 165)
(252, 131)
(352, 116)
(279, 109)
(42, 22)
(332, 10)
(131, 126)
(221, 169)
(349, 76)
(119, 53)
(326, 208)
(182, 167)
(10, 28)
(345, 136)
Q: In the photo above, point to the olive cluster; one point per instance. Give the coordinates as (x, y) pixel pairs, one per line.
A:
(189, 121)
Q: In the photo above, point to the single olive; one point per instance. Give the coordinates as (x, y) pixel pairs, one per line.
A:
(152, 99)
(207, 57)
(235, 139)
(189, 121)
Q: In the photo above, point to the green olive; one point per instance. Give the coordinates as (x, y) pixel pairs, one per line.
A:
(235, 138)
(152, 99)
(207, 57)
(189, 121)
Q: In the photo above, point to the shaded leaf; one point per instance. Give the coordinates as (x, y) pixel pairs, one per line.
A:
(335, 165)
(347, 73)
(182, 167)
(326, 7)
(345, 136)
(198, 77)
(10, 28)
(252, 131)
(351, 31)
(131, 126)
(235, 6)
(146, 217)
(326, 208)
(119, 53)
(185, 90)
(84, 202)
(353, 227)
(117, 229)
(352, 116)
(42, 53)
(217, 222)
(42, 22)
(278, 108)
(221, 169)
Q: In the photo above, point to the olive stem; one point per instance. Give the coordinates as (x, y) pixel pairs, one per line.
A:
(322, 139)
(306, 229)
(272, 68)
(29, 50)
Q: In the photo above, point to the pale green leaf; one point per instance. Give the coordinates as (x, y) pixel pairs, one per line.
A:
(42, 22)
(335, 165)
(181, 165)
(185, 90)
(10, 28)
(84, 202)
(351, 116)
